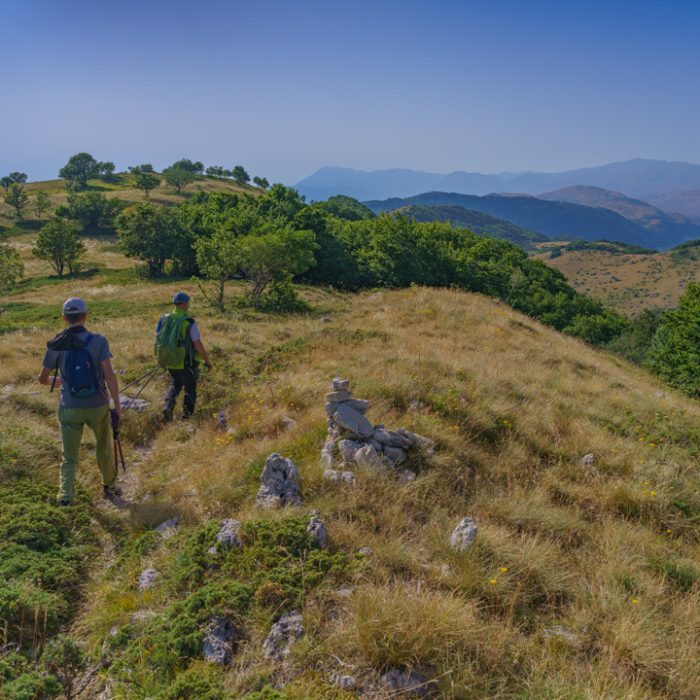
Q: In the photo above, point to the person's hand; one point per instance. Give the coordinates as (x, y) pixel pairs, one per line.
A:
(58, 382)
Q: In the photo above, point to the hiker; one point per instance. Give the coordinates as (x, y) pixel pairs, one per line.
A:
(178, 347)
(81, 366)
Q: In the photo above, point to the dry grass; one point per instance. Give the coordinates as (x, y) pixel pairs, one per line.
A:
(513, 406)
(630, 283)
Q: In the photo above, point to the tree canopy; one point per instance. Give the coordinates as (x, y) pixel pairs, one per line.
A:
(79, 169)
(59, 244)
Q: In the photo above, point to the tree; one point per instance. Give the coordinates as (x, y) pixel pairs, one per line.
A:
(675, 348)
(148, 233)
(216, 260)
(106, 169)
(178, 178)
(273, 256)
(240, 175)
(5, 182)
(17, 198)
(79, 169)
(94, 211)
(143, 168)
(196, 167)
(261, 182)
(64, 658)
(11, 267)
(147, 181)
(58, 243)
(41, 203)
(18, 177)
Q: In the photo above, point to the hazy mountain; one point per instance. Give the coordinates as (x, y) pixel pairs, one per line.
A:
(557, 220)
(633, 178)
(686, 203)
(476, 222)
(672, 227)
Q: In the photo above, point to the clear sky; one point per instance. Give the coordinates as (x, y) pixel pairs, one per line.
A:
(286, 87)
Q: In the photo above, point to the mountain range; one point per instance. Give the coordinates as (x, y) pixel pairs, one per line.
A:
(560, 220)
(633, 178)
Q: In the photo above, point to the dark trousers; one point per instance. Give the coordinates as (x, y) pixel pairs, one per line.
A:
(182, 379)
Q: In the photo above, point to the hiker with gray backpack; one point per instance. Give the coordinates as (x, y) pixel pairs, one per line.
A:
(178, 349)
(82, 368)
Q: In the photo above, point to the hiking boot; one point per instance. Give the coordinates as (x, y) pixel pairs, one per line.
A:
(167, 416)
(113, 494)
(64, 503)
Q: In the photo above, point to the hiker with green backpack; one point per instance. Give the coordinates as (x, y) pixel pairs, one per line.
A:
(178, 347)
(81, 366)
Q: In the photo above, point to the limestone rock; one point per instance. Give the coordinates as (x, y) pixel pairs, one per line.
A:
(419, 441)
(317, 530)
(406, 476)
(463, 535)
(344, 682)
(339, 384)
(340, 475)
(228, 535)
(360, 405)
(331, 408)
(279, 483)
(365, 551)
(392, 438)
(368, 457)
(129, 404)
(353, 421)
(395, 455)
(167, 528)
(561, 633)
(588, 460)
(338, 396)
(347, 450)
(287, 630)
(408, 683)
(219, 642)
(147, 579)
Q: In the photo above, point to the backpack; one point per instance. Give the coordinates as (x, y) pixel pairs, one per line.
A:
(80, 372)
(171, 343)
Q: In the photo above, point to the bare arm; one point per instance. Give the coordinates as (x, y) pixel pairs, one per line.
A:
(201, 351)
(112, 384)
(46, 378)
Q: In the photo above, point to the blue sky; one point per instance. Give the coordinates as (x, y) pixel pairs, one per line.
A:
(287, 87)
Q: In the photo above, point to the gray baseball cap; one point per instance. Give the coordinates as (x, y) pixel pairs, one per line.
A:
(74, 306)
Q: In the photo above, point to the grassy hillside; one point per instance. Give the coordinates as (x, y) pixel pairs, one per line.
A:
(629, 282)
(685, 202)
(121, 185)
(583, 581)
(475, 221)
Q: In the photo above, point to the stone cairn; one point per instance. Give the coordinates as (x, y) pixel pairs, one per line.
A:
(353, 441)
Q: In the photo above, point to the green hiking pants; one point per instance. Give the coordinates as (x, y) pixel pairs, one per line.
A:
(72, 421)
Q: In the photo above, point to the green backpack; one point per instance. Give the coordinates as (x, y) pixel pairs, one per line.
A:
(171, 341)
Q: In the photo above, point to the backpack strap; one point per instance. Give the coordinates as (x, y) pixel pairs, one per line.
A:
(190, 354)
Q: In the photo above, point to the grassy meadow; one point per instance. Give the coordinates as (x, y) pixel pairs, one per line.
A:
(583, 582)
(628, 282)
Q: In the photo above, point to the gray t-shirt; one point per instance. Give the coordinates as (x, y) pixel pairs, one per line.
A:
(98, 347)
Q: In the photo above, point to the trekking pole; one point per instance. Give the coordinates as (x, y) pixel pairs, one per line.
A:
(118, 452)
(143, 376)
(146, 383)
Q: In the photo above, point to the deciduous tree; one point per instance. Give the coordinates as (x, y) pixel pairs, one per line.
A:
(261, 182)
(147, 181)
(178, 178)
(79, 169)
(59, 244)
(41, 203)
(240, 175)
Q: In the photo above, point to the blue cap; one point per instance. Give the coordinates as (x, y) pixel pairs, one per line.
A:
(74, 306)
(181, 298)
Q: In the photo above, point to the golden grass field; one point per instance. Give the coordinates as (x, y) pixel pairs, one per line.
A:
(607, 553)
(629, 283)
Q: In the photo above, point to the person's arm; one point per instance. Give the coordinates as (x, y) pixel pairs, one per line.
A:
(112, 384)
(198, 345)
(46, 378)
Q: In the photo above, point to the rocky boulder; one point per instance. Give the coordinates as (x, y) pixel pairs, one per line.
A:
(463, 535)
(279, 483)
(220, 641)
(317, 530)
(287, 630)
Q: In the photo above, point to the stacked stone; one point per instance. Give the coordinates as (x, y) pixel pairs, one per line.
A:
(353, 441)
